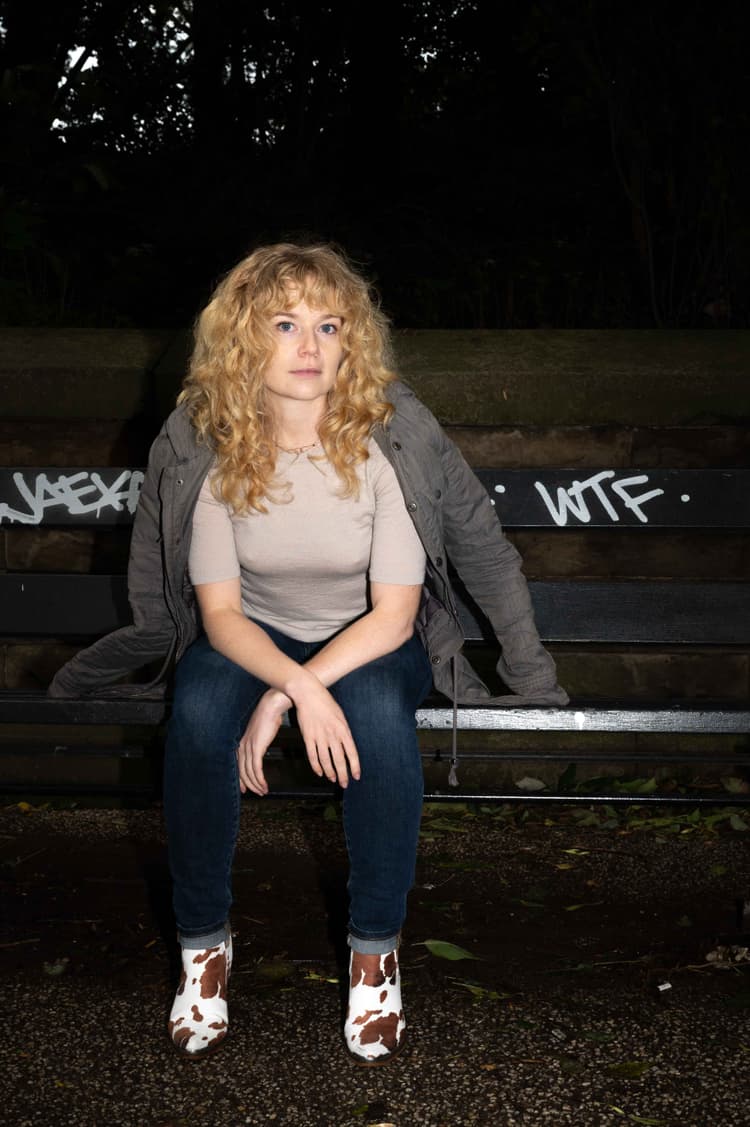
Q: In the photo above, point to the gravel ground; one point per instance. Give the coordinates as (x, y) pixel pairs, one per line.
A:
(596, 994)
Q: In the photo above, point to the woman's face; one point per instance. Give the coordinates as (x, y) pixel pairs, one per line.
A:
(306, 356)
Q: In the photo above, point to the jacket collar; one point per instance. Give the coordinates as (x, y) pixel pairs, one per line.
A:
(182, 437)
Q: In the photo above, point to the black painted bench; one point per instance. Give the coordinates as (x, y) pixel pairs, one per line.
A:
(638, 614)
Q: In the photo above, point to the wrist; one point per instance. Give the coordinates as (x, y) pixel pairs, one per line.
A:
(278, 700)
(302, 681)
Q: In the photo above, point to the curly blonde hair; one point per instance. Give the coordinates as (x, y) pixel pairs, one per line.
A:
(224, 390)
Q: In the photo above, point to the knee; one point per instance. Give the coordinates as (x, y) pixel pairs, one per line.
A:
(193, 710)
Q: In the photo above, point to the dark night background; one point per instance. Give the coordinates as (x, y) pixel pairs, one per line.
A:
(572, 165)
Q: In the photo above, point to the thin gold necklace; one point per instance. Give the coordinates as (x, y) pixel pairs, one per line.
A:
(296, 449)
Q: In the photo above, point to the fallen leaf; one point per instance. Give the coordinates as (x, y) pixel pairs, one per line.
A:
(444, 950)
(735, 785)
(274, 970)
(629, 1070)
(311, 976)
(728, 956)
(56, 968)
(570, 1066)
(479, 993)
(447, 827)
(530, 784)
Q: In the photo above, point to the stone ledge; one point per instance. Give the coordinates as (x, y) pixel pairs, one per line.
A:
(515, 377)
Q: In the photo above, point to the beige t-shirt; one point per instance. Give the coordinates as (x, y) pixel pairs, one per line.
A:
(305, 564)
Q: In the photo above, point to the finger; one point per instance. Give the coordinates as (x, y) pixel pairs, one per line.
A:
(240, 753)
(334, 762)
(350, 750)
(313, 759)
(243, 757)
(255, 771)
(247, 781)
(346, 759)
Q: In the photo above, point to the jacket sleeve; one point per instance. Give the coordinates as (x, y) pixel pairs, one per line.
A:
(490, 567)
(151, 635)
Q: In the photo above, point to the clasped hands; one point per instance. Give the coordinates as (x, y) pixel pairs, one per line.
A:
(328, 742)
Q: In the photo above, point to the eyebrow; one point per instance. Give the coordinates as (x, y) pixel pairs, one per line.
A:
(324, 317)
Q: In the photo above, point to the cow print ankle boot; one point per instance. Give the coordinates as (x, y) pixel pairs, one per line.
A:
(374, 1030)
(199, 1020)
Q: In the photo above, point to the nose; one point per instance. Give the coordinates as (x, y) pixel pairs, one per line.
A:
(308, 342)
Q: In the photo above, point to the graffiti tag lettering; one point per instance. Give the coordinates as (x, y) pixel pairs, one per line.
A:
(575, 500)
(79, 493)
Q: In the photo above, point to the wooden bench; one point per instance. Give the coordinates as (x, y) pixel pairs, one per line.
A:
(635, 615)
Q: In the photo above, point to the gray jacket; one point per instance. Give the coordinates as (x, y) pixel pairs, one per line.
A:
(451, 512)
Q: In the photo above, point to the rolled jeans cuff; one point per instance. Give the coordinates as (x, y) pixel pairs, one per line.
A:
(206, 940)
(373, 946)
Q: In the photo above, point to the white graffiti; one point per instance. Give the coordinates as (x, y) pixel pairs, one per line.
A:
(575, 500)
(79, 493)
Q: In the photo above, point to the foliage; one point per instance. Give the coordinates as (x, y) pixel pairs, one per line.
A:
(580, 168)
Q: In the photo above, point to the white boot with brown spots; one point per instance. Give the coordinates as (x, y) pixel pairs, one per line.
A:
(374, 1030)
(199, 1020)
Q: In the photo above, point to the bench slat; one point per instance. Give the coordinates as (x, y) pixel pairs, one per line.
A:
(541, 498)
(622, 612)
(35, 707)
(664, 718)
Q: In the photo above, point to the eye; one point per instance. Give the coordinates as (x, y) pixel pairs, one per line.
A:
(285, 326)
(329, 329)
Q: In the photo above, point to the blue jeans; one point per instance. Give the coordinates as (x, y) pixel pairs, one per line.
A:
(213, 701)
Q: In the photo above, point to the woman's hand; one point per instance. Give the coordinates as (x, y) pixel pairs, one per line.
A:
(328, 742)
(261, 729)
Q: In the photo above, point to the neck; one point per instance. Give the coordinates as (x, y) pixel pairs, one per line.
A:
(296, 430)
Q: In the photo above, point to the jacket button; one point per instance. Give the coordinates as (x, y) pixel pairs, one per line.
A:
(412, 506)
(438, 493)
(438, 561)
(179, 481)
(436, 660)
(396, 445)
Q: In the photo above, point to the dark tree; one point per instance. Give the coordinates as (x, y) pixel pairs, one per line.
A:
(583, 167)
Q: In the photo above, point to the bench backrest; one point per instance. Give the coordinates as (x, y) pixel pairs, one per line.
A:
(541, 498)
(636, 611)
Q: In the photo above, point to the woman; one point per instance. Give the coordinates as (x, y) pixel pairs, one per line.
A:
(309, 503)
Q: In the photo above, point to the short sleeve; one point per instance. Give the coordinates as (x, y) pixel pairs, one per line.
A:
(397, 555)
(213, 555)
